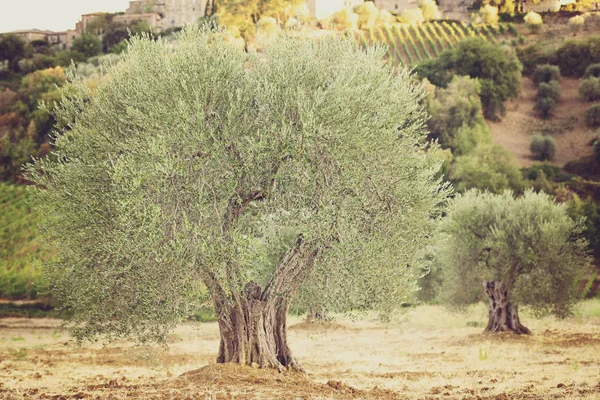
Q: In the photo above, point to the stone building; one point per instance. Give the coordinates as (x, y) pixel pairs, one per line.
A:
(63, 40)
(324, 8)
(171, 13)
(396, 6)
(152, 19)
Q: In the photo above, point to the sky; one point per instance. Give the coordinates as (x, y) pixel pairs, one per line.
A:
(55, 15)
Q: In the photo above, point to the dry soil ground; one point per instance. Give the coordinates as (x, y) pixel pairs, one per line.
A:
(434, 355)
(567, 126)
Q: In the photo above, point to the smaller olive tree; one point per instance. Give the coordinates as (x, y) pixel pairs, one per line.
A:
(525, 251)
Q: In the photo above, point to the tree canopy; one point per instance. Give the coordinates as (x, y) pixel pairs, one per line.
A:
(496, 67)
(528, 243)
(182, 167)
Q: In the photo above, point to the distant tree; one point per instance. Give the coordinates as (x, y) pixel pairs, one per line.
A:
(543, 147)
(169, 178)
(454, 109)
(12, 49)
(242, 15)
(496, 67)
(87, 45)
(525, 251)
(489, 167)
(533, 21)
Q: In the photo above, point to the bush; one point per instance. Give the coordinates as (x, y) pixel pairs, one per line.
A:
(489, 167)
(592, 116)
(592, 70)
(487, 15)
(496, 67)
(412, 17)
(430, 9)
(589, 89)
(549, 90)
(533, 21)
(545, 106)
(267, 26)
(345, 19)
(543, 147)
(537, 54)
(546, 73)
(574, 56)
(576, 23)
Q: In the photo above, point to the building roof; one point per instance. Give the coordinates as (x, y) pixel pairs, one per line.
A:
(45, 32)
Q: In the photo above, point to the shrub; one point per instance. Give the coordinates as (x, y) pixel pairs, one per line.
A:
(430, 9)
(592, 70)
(345, 19)
(367, 15)
(512, 29)
(574, 56)
(546, 73)
(549, 90)
(576, 23)
(537, 54)
(589, 89)
(533, 21)
(489, 167)
(454, 108)
(487, 15)
(496, 67)
(543, 147)
(412, 17)
(545, 105)
(592, 116)
(267, 26)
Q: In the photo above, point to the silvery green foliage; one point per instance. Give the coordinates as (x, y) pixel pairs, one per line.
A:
(135, 198)
(529, 243)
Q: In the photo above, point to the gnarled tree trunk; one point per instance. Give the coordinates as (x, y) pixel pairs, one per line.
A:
(316, 314)
(503, 315)
(253, 324)
(254, 331)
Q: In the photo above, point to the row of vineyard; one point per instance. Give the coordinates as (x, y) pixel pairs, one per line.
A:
(410, 44)
(18, 249)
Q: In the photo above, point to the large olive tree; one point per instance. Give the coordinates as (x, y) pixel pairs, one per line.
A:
(525, 250)
(183, 166)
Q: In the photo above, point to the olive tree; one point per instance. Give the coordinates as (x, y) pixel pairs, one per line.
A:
(525, 250)
(177, 171)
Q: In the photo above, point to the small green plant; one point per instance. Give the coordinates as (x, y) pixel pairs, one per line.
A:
(512, 29)
(545, 106)
(521, 39)
(592, 116)
(18, 339)
(545, 73)
(19, 355)
(575, 365)
(533, 21)
(543, 147)
(589, 89)
(484, 352)
(549, 90)
(576, 24)
(592, 70)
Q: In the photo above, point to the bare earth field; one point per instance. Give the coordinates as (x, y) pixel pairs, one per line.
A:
(435, 355)
(567, 126)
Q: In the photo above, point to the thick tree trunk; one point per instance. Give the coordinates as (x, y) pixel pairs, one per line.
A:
(253, 331)
(503, 315)
(316, 314)
(253, 323)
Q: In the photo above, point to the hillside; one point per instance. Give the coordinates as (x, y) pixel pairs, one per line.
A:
(573, 138)
(18, 248)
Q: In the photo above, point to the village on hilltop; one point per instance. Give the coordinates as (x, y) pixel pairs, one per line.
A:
(164, 14)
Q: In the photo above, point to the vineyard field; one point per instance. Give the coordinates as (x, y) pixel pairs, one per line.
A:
(410, 44)
(18, 249)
